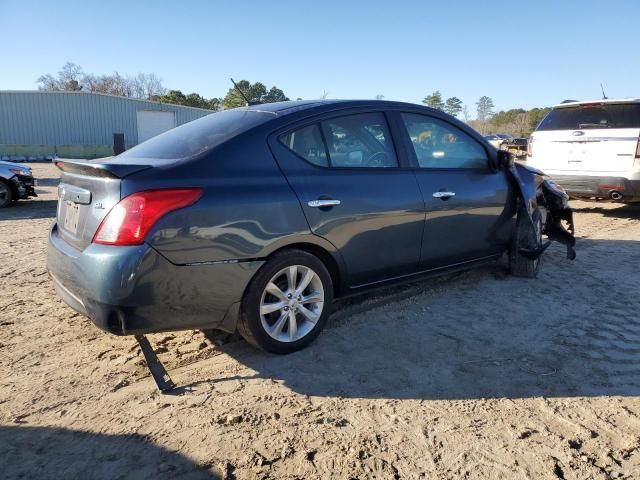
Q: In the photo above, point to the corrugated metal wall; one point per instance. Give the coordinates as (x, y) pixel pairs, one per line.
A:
(76, 118)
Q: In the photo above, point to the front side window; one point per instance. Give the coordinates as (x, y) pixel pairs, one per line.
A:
(359, 141)
(438, 144)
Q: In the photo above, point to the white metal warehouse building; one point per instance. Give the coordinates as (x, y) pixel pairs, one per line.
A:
(36, 125)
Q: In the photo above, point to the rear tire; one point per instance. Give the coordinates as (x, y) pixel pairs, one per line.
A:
(6, 194)
(287, 303)
(528, 237)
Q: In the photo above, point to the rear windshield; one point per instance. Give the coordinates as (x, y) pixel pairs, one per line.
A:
(200, 135)
(613, 115)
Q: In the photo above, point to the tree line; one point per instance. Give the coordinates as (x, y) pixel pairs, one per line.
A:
(148, 86)
(517, 121)
(72, 78)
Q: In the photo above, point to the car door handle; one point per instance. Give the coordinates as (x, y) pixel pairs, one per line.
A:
(323, 203)
(444, 195)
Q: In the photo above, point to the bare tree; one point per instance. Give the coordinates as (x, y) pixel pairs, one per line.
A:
(114, 84)
(147, 85)
(47, 82)
(521, 124)
(482, 126)
(123, 86)
(71, 77)
(465, 113)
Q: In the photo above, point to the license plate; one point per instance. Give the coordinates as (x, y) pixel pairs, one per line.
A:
(71, 215)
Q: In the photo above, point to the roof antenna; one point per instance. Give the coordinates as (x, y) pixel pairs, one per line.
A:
(604, 97)
(249, 103)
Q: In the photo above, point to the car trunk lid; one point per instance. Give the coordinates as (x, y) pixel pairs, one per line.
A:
(594, 150)
(88, 189)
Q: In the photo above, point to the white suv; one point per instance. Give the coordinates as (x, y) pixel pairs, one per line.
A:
(591, 149)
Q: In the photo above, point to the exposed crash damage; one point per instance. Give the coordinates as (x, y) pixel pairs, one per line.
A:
(540, 207)
(545, 205)
(16, 182)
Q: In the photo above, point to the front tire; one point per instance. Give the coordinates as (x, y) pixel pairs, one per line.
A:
(287, 303)
(529, 237)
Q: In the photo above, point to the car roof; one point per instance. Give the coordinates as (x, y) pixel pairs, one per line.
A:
(284, 108)
(577, 103)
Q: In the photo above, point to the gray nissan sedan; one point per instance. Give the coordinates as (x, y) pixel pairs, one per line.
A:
(257, 218)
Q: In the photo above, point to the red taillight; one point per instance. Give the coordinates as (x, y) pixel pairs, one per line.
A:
(638, 148)
(131, 219)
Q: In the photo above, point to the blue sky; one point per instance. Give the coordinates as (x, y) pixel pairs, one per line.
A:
(521, 54)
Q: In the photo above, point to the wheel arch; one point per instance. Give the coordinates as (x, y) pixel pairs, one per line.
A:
(329, 257)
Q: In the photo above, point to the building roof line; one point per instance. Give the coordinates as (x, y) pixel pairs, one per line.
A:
(103, 95)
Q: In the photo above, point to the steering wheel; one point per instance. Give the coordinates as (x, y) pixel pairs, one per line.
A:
(377, 159)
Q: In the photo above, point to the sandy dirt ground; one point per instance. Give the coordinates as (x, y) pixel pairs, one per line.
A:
(475, 375)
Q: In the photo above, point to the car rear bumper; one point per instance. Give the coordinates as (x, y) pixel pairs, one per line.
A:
(135, 290)
(619, 189)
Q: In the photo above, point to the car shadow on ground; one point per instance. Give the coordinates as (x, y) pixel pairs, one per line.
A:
(54, 453)
(29, 209)
(47, 182)
(572, 332)
(623, 211)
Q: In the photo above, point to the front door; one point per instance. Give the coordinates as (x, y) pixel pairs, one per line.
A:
(466, 202)
(346, 174)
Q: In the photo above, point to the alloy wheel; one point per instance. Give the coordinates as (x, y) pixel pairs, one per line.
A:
(292, 303)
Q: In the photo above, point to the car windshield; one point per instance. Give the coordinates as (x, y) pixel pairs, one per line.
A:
(597, 115)
(197, 137)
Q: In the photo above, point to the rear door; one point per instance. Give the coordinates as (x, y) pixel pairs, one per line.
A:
(466, 202)
(355, 193)
(595, 138)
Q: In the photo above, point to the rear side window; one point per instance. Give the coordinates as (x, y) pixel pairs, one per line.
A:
(352, 141)
(597, 115)
(307, 143)
(360, 141)
(200, 135)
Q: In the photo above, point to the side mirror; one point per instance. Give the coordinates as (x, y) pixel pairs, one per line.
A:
(505, 159)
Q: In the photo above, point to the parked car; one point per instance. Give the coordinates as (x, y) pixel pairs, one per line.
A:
(257, 218)
(493, 140)
(16, 182)
(517, 146)
(591, 148)
(499, 139)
